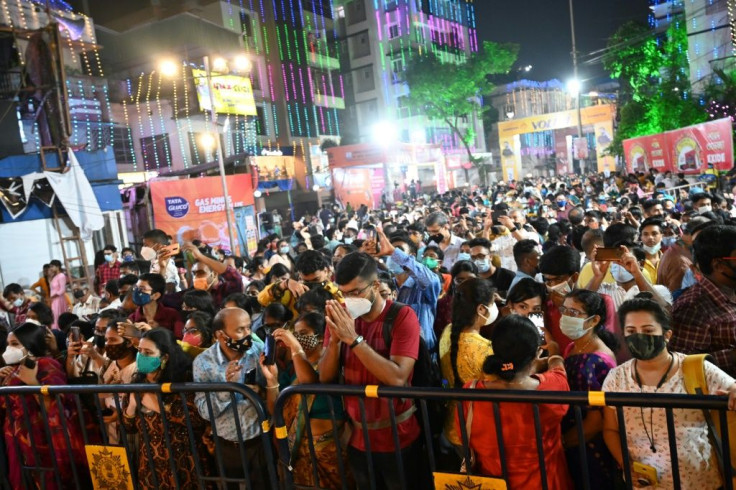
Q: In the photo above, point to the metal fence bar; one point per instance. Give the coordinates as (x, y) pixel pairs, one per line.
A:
(338, 442)
(540, 445)
(192, 441)
(47, 428)
(310, 441)
(624, 446)
(167, 438)
(726, 445)
(673, 447)
(427, 434)
(367, 440)
(582, 446)
(499, 438)
(397, 444)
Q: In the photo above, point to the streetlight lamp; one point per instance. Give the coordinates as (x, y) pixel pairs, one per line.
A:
(169, 68)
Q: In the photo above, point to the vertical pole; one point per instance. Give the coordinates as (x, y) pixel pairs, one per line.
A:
(220, 158)
(575, 67)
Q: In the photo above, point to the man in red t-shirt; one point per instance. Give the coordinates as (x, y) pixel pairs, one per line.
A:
(354, 340)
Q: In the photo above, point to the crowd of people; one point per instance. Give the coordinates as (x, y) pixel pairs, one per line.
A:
(603, 282)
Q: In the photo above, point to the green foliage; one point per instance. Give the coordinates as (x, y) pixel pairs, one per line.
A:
(655, 93)
(448, 92)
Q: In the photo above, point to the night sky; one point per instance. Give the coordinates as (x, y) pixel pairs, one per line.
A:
(542, 28)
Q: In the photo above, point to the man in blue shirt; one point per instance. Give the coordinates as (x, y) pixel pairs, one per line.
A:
(417, 285)
(234, 358)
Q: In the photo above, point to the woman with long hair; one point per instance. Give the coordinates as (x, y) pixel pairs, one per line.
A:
(461, 271)
(161, 360)
(462, 349)
(588, 359)
(305, 345)
(26, 438)
(516, 365)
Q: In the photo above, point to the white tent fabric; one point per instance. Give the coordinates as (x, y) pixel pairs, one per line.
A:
(75, 193)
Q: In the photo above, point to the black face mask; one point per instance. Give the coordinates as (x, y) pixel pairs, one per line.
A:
(99, 340)
(240, 346)
(315, 284)
(644, 346)
(437, 238)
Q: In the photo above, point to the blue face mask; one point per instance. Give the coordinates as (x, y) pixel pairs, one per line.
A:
(463, 256)
(147, 364)
(394, 267)
(348, 240)
(561, 204)
(140, 298)
(128, 258)
(668, 241)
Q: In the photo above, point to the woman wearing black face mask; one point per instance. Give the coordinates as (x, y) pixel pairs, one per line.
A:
(655, 369)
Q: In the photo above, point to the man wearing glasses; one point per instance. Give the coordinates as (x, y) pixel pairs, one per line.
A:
(355, 344)
(704, 316)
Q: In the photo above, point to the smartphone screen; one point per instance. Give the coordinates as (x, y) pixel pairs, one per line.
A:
(76, 336)
(270, 350)
(608, 254)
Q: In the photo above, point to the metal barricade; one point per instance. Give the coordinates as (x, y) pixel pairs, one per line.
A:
(497, 399)
(68, 437)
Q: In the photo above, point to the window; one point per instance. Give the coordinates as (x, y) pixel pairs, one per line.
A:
(99, 138)
(397, 70)
(155, 151)
(356, 12)
(245, 25)
(361, 45)
(393, 31)
(123, 145)
(402, 107)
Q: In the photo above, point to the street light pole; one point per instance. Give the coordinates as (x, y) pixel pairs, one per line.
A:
(575, 68)
(220, 158)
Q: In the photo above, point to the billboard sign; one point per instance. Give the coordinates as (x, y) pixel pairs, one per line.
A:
(191, 209)
(233, 94)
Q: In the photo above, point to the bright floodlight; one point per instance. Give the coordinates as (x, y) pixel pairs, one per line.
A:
(315, 187)
(168, 68)
(242, 63)
(384, 133)
(257, 193)
(207, 141)
(573, 87)
(219, 64)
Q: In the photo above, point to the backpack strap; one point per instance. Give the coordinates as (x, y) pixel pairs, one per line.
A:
(388, 322)
(693, 372)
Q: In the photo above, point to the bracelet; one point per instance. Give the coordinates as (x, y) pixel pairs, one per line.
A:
(357, 342)
(274, 387)
(556, 355)
(301, 352)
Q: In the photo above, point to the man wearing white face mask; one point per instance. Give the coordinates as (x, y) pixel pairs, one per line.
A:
(651, 239)
(702, 203)
(354, 341)
(630, 278)
(154, 240)
(15, 301)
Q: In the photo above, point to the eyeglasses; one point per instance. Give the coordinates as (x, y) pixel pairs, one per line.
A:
(572, 312)
(252, 293)
(357, 292)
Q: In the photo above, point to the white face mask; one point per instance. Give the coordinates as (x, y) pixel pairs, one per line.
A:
(620, 274)
(13, 355)
(653, 249)
(562, 288)
(705, 209)
(357, 307)
(34, 321)
(148, 253)
(492, 314)
(573, 328)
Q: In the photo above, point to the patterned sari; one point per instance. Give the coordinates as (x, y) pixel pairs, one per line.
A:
(325, 447)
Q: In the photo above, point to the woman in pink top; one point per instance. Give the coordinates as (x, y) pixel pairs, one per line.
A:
(57, 292)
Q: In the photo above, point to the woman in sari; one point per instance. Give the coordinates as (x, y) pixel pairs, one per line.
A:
(160, 360)
(305, 344)
(57, 291)
(28, 427)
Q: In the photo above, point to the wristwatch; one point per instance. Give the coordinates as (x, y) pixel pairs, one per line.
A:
(357, 342)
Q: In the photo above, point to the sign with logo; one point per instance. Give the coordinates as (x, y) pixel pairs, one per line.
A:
(191, 209)
(691, 150)
(108, 467)
(232, 94)
(451, 481)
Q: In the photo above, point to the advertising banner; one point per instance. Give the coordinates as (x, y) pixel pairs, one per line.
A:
(691, 150)
(359, 185)
(191, 209)
(233, 94)
(511, 157)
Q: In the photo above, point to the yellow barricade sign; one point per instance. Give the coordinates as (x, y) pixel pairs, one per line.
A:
(454, 481)
(109, 467)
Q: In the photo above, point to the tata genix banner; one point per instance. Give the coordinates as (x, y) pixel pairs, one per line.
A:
(233, 94)
(691, 150)
(191, 209)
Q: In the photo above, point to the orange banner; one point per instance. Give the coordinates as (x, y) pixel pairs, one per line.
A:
(191, 209)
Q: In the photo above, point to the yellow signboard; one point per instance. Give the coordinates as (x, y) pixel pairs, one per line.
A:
(557, 120)
(233, 94)
(452, 481)
(109, 467)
